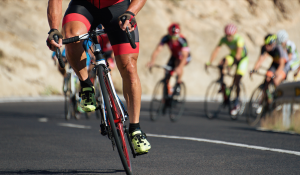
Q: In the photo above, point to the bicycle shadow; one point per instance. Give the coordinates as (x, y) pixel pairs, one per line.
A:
(29, 171)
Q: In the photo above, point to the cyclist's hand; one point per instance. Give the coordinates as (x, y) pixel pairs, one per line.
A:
(251, 72)
(50, 40)
(207, 65)
(130, 21)
(149, 64)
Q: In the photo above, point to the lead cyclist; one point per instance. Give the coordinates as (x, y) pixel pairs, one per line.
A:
(79, 18)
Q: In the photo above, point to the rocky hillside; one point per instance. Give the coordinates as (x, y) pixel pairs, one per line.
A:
(26, 67)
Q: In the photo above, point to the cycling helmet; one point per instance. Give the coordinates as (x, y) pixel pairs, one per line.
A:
(230, 29)
(282, 36)
(270, 39)
(174, 29)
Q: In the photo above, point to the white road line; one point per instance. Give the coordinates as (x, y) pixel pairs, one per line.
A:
(43, 119)
(74, 125)
(228, 143)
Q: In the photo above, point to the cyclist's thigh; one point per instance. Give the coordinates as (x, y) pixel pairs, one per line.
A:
(117, 37)
(242, 66)
(170, 63)
(230, 60)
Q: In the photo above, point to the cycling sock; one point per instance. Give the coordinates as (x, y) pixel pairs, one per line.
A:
(133, 126)
(86, 83)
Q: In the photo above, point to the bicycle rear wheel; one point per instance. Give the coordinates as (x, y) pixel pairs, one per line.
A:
(114, 119)
(157, 103)
(242, 100)
(256, 106)
(214, 100)
(177, 102)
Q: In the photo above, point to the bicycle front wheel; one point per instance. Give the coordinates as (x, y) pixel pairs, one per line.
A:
(177, 102)
(256, 106)
(241, 101)
(213, 100)
(114, 118)
(157, 103)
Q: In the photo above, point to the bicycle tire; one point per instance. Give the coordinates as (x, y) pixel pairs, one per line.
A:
(97, 96)
(254, 103)
(178, 103)
(101, 74)
(213, 98)
(242, 100)
(157, 104)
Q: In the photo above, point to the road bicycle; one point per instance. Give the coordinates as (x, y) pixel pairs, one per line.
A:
(258, 105)
(218, 96)
(167, 98)
(112, 111)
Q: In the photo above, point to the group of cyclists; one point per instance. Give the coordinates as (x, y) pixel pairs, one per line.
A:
(83, 15)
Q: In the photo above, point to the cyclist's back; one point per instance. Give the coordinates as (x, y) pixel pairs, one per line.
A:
(176, 46)
(233, 45)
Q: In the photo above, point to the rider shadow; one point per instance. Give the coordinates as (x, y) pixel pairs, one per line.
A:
(28, 171)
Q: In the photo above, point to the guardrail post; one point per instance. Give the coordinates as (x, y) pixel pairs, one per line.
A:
(286, 115)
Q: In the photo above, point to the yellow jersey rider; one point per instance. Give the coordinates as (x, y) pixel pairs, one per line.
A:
(238, 56)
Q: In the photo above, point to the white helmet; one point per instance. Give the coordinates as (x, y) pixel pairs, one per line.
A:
(282, 36)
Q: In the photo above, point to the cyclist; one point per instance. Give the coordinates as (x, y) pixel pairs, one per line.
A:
(180, 52)
(79, 18)
(278, 69)
(293, 63)
(238, 56)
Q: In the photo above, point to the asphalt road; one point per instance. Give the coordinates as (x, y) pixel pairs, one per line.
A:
(29, 145)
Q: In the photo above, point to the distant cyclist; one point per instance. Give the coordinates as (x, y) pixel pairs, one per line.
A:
(278, 69)
(293, 63)
(180, 52)
(238, 56)
(60, 69)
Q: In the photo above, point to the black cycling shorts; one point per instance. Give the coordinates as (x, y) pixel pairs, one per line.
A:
(91, 17)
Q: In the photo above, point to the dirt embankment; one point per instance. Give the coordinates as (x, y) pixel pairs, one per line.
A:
(26, 67)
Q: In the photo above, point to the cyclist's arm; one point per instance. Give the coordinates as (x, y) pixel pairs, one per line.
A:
(260, 60)
(54, 14)
(136, 5)
(185, 55)
(214, 54)
(281, 65)
(154, 54)
(290, 56)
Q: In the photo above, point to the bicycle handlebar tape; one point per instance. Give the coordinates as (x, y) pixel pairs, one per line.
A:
(58, 53)
(130, 38)
(71, 40)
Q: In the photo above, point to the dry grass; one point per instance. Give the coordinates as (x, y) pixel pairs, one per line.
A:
(274, 121)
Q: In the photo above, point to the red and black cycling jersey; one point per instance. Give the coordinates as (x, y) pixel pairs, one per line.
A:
(176, 46)
(103, 3)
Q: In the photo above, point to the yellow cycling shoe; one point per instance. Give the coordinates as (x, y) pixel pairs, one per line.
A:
(140, 142)
(88, 101)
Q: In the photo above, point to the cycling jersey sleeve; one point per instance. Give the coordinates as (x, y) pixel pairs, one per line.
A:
(184, 44)
(222, 41)
(164, 40)
(263, 50)
(240, 42)
(282, 53)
